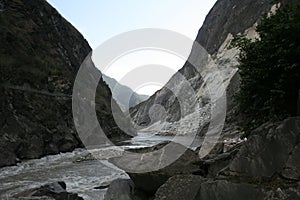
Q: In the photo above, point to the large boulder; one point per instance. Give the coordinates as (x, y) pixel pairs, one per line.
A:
(150, 169)
(197, 188)
(7, 149)
(180, 187)
(272, 149)
(227, 190)
(265, 167)
(189, 187)
(124, 189)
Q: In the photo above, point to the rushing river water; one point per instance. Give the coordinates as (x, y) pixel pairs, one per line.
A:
(80, 177)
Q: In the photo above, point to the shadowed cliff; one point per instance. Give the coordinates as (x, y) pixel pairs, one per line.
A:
(39, 58)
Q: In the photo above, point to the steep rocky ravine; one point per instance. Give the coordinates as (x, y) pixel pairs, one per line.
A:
(226, 19)
(263, 166)
(39, 58)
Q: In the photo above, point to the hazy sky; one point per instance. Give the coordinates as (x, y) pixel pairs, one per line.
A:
(99, 20)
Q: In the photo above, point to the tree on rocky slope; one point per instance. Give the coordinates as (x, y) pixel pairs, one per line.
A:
(269, 68)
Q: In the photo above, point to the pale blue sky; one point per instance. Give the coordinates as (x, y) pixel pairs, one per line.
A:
(100, 20)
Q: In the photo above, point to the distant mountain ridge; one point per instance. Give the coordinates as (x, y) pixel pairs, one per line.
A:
(125, 96)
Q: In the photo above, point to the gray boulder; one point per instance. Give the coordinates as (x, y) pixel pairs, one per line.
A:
(195, 187)
(292, 167)
(227, 190)
(150, 169)
(189, 187)
(180, 187)
(7, 149)
(123, 189)
(266, 167)
(56, 190)
(270, 151)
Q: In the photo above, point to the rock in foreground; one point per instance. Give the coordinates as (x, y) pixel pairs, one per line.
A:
(124, 189)
(149, 168)
(55, 191)
(198, 188)
(264, 168)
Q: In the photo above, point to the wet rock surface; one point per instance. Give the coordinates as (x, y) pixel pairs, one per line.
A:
(55, 191)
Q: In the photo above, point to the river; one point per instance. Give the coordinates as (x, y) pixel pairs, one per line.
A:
(80, 177)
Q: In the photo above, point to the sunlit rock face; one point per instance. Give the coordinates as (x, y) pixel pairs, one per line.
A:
(39, 58)
(211, 71)
(260, 167)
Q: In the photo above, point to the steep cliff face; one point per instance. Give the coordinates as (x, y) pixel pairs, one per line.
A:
(226, 19)
(263, 166)
(39, 58)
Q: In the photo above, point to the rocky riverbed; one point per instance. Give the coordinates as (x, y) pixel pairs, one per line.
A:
(86, 173)
(80, 177)
(265, 166)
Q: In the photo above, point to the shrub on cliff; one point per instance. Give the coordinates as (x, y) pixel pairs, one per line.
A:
(269, 68)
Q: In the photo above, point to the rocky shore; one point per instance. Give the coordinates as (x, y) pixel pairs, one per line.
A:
(265, 167)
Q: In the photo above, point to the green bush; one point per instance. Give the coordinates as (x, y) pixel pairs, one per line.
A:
(269, 68)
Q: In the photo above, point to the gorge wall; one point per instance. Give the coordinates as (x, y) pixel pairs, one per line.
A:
(205, 74)
(39, 58)
(263, 166)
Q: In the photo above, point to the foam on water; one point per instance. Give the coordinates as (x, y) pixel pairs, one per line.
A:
(80, 177)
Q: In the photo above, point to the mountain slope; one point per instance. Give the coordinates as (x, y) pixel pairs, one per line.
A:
(262, 166)
(39, 58)
(203, 72)
(125, 97)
